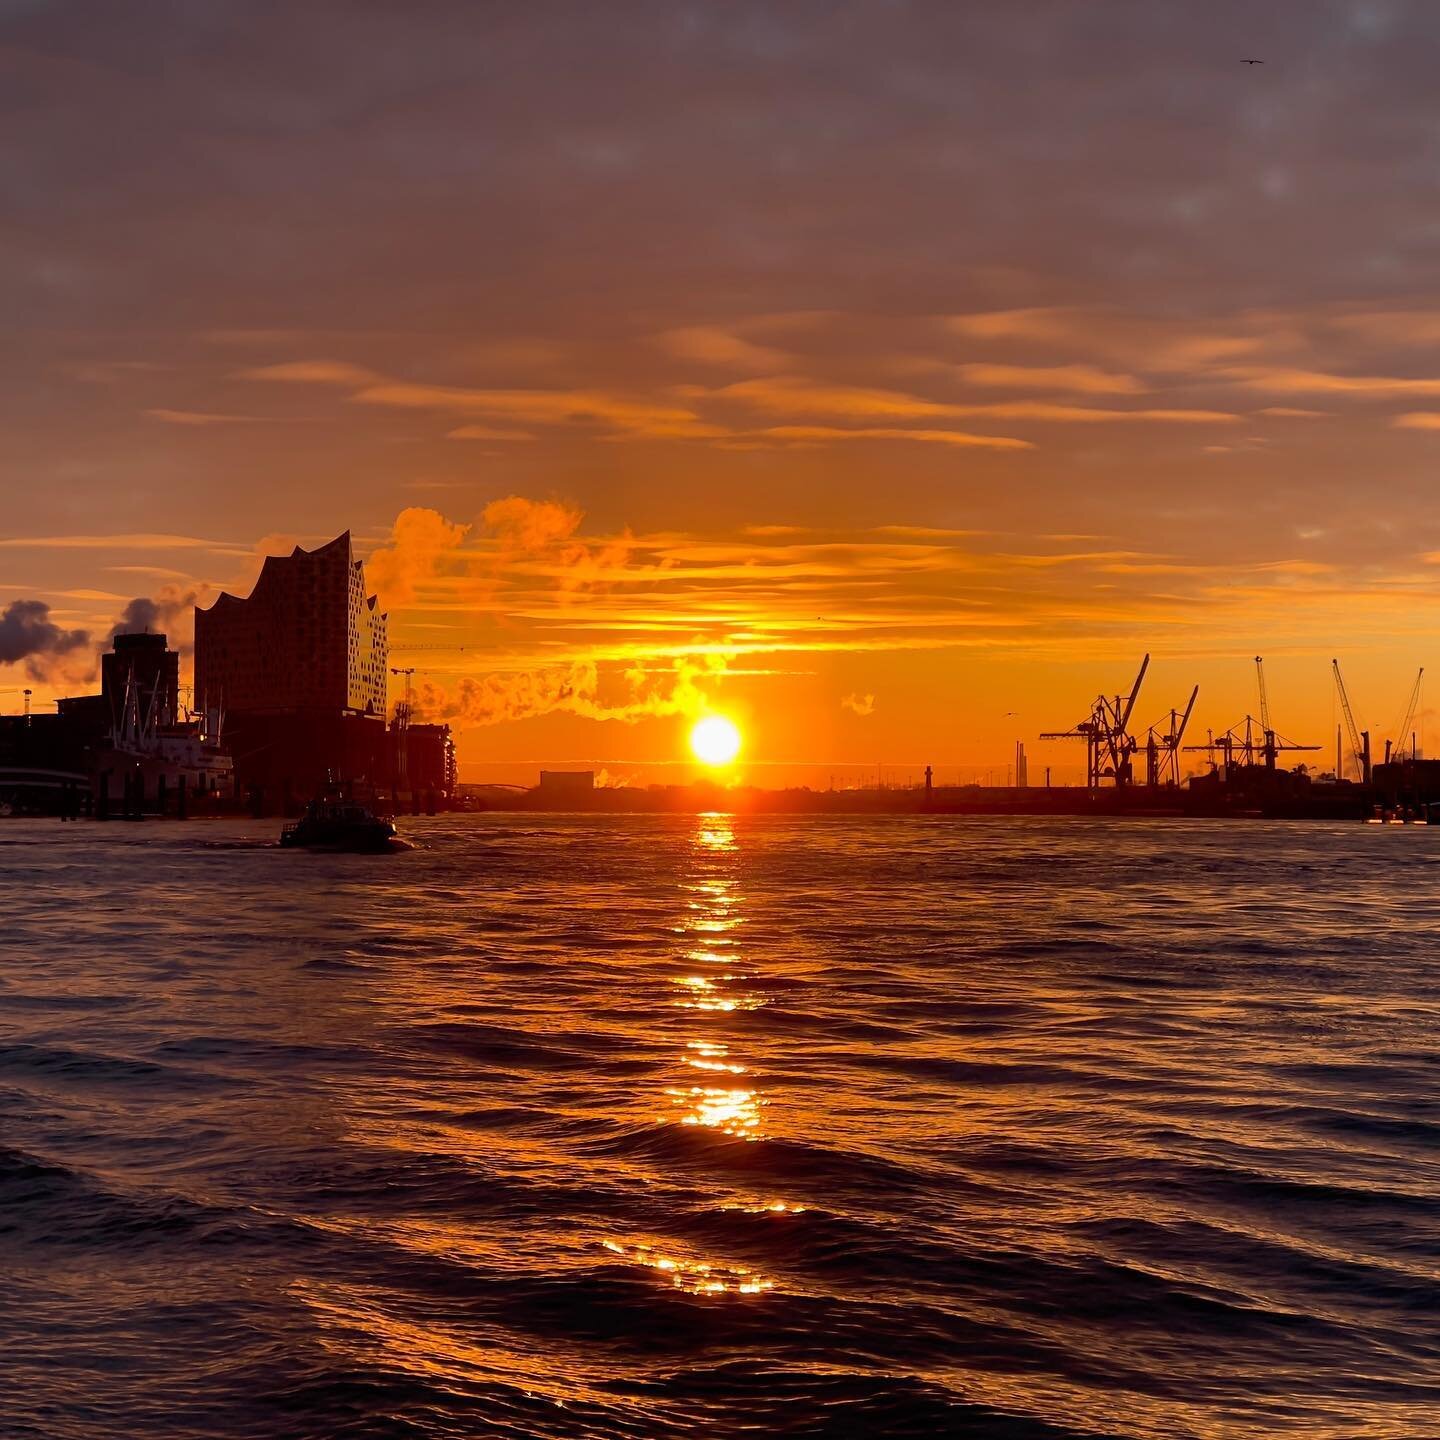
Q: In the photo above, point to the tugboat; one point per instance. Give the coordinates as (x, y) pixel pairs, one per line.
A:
(339, 825)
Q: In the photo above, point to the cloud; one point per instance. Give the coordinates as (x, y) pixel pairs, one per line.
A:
(1289, 412)
(1282, 381)
(312, 372)
(114, 542)
(1417, 420)
(714, 345)
(654, 419)
(1079, 379)
(794, 395)
(859, 704)
(1090, 415)
(28, 635)
(420, 540)
(486, 432)
(583, 687)
(169, 612)
(1028, 324)
(198, 418)
(825, 433)
(530, 525)
(1392, 327)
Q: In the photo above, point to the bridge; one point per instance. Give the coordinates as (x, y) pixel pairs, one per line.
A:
(37, 777)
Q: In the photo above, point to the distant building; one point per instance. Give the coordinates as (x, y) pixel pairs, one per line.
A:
(566, 784)
(430, 759)
(307, 638)
(299, 672)
(146, 664)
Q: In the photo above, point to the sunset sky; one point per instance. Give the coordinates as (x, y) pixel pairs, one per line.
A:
(887, 376)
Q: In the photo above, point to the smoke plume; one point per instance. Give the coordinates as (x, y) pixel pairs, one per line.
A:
(28, 634)
(169, 612)
(419, 542)
(578, 689)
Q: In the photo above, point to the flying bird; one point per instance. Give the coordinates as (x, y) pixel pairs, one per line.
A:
(1252, 62)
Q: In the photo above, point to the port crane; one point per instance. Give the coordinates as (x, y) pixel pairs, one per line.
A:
(1403, 732)
(1109, 746)
(1359, 739)
(1162, 749)
(1250, 742)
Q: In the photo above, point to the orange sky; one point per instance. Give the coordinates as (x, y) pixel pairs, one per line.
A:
(890, 377)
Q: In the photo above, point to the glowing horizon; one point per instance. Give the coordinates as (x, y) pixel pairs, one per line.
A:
(913, 452)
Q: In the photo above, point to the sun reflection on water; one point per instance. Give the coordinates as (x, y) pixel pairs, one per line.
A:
(709, 930)
(697, 1277)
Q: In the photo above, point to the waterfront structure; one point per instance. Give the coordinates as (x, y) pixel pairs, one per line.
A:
(130, 749)
(298, 671)
(566, 785)
(306, 638)
(430, 759)
(144, 669)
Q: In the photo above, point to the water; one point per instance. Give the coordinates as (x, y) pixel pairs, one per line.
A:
(664, 1127)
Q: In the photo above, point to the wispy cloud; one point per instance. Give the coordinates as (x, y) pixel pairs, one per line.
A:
(198, 418)
(487, 432)
(1281, 381)
(715, 345)
(825, 434)
(312, 372)
(134, 541)
(1077, 379)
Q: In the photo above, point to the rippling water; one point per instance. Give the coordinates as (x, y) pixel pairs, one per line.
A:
(665, 1126)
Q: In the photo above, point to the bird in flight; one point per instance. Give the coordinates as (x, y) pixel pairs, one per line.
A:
(1253, 62)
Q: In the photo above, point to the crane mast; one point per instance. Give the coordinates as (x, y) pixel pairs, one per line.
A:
(1403, 735)
(1109, 746)
(1359, 740)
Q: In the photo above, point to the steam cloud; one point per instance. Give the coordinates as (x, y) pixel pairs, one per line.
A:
(521, 547)
(169, 612)
(860, 704)
(418, 545)
(576, 689)
(28, 634)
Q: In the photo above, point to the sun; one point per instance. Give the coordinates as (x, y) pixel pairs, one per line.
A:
(715, 740)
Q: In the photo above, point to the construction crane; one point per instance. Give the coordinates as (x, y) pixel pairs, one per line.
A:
(1403, 730)
(1359, 739)
(403, 707)
(402, 730)
(397, 649)
(1264, 699)
(1162, 751)
(1248, 745)
(1109, 746)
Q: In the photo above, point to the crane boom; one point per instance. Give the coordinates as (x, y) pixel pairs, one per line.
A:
(1411, 707)
(1134, 693)
(1185, 719)
(1264, 698)
(1349, 719)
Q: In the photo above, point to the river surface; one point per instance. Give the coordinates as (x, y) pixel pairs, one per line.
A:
(639, 1126)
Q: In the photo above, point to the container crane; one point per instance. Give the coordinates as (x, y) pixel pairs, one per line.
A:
(1403, 730)
(1162, 751)
(1359, 739)
(1251, 743)
(1109, 746)
(1264, 698)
